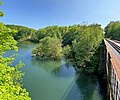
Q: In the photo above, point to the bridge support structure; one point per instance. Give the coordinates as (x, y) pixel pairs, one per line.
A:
(113, 72)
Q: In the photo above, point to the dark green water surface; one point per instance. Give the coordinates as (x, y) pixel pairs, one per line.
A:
(55, 80)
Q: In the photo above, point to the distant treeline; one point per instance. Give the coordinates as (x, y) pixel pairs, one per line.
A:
(78, 42)
(112, 30)
(23, 33)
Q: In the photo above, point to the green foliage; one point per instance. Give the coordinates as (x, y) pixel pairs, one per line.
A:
(39, 34)
(86, 43)
(79, 42)
(112, 30)
(94, 61)
(7, 41)
(48, 48)
(1, 13)
(10, 88)
(71, 33)
(10, 77)
(1, 3)
(67, 52)
(51, 31)
(23, 33)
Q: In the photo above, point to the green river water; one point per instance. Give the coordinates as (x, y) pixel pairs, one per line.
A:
(55, 80)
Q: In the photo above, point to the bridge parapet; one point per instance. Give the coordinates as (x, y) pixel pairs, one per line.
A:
(113, 70)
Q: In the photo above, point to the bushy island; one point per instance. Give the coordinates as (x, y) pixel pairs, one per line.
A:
(79, 43)
(48, 48)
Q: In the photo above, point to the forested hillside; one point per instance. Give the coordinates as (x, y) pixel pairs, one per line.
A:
(22, 32)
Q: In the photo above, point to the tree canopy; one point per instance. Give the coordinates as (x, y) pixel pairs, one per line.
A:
(48, 48)
(1, 13)
(10, 76)
(112, 30)
(79, 42)
(86, 42)
(51, 31)
(23, 33)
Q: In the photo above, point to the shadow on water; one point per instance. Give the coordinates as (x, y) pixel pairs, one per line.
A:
(86, 87)
(83, 87)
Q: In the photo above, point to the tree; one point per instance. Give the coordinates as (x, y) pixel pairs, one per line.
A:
(51, 31)
(71, 34)
(10, 77)
(1, 13)
(79, 42)
(86, 43)
(67, 51)
(112, 30)
(23, 33)
(48, 48)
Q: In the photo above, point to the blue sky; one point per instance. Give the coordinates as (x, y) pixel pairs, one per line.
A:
(41, 13)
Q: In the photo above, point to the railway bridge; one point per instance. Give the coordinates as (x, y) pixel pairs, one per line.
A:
(112, 64)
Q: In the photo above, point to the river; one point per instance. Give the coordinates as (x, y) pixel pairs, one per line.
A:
(55, 80)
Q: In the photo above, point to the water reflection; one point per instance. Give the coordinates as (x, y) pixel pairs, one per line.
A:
(57, 68)
(83, 87)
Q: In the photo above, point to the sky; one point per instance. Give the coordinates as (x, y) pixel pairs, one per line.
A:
(41, 13)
